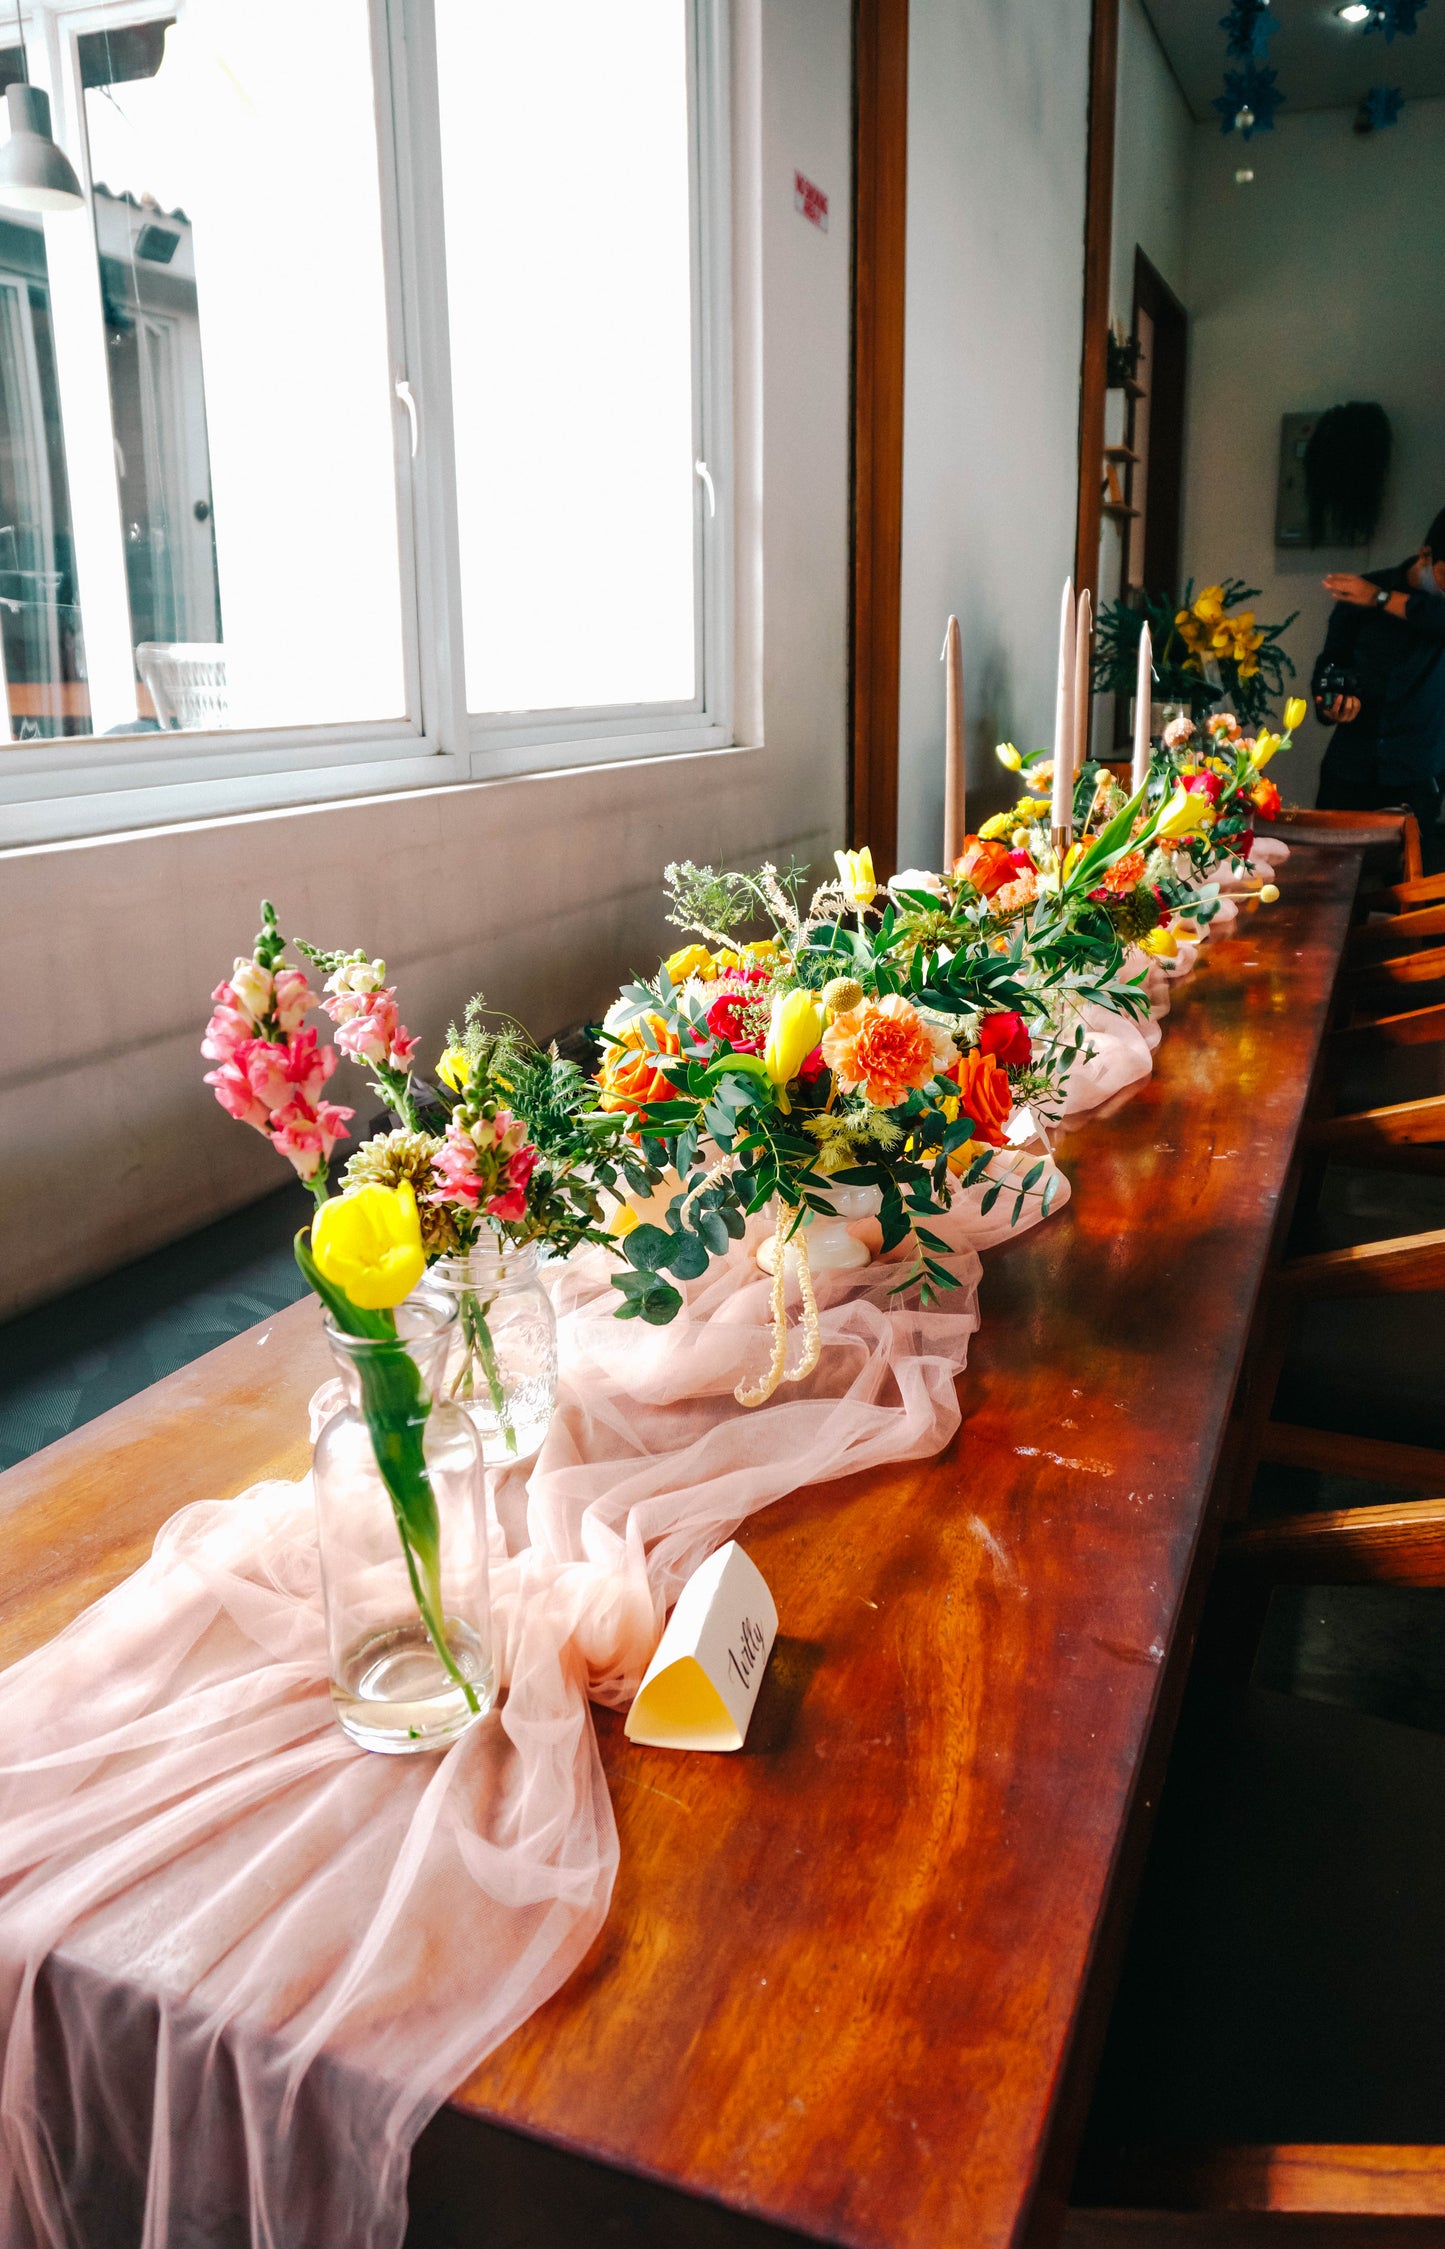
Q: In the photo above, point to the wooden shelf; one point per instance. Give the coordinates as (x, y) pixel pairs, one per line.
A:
(1118, 511)
(1122, 453)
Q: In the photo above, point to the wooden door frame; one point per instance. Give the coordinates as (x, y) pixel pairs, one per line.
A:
(1163, 526)
(880, 219)
(1098, 254)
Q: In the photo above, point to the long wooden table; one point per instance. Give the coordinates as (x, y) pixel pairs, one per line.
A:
(853, 1978)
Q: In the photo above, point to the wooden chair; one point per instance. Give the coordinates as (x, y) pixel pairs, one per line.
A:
(1309, 1841)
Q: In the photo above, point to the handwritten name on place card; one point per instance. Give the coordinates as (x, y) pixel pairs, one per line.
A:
(699, 1690)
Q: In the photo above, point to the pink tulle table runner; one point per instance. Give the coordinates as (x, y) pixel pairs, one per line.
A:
(243, 1961)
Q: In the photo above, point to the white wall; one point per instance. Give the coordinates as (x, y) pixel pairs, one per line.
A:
(1153, 147)
(1322, 281)
(1153, 152)
(998, 102)
(543, 892)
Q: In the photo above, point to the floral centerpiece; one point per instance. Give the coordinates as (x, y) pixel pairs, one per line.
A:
(871, 1039)
(464, 1164)
(1205, 646)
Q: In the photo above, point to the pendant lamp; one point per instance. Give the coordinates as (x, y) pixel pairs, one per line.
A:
(35, 174)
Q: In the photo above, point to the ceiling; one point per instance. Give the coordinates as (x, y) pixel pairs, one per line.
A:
(1321, 62)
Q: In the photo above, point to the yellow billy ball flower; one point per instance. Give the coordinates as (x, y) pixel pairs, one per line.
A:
(1294, 713)
(855, 872)
(368, 1244)
(795, 1029)
(1268, 892)
(1161, 943)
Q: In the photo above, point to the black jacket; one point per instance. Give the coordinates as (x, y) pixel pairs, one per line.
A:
(1399, 664)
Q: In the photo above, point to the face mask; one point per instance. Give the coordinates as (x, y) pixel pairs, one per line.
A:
(1427, 582)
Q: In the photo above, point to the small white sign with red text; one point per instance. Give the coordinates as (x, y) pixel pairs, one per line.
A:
(810, 200)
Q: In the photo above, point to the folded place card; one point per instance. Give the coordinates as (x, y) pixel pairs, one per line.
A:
(699, 1689)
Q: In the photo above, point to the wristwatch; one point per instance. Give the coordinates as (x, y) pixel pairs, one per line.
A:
(1382, 597)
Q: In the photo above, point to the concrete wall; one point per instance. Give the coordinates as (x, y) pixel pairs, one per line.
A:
(543, 892)
(998, 101)
(1322, 281)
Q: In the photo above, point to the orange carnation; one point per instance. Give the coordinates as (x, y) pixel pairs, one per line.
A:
(886, 1047)
(1125, 875)
(631, 1074)
(984, 863)
(984, 1095)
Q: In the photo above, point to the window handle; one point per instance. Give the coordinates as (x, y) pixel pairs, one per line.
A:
(404, 393)
(701, 469)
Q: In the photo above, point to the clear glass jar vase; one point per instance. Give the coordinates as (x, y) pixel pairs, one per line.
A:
(502, 1360)
(401, 1519)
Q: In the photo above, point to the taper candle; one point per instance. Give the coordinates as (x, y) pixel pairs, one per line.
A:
(954, 823)
(1143, 692)
(1083, 696)
(1061, 814)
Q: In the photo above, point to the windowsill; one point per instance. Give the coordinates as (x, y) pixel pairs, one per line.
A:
(214, 800)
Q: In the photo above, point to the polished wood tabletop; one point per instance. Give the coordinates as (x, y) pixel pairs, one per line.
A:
(851, 1980)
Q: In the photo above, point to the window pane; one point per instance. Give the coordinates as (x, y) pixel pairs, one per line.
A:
(238, 227)
(44, 657)
(565, 143)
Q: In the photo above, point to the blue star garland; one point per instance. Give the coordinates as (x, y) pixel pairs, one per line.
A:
(1248, 29)
(1382, 106)
(1251, 88)
(1391, 16)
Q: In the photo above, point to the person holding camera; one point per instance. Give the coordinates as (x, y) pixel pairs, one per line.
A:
(1380, 682)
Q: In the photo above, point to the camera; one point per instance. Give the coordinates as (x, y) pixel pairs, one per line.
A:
(1331, 681)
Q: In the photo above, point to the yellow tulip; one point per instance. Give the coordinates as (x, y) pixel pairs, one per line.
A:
(794, 1030)
(1294, 713)
(1072, 857)
(1000, 825)
(855, 872)
(1186, 813)
(368, 1243)
(1265, 745)
(690, 960)
(455, 1070)
(1008, 757)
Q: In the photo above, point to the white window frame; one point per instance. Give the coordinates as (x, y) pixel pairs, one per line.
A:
(71, 788)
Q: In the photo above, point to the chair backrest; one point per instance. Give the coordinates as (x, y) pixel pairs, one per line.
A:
(187, 681)
(1367, 828)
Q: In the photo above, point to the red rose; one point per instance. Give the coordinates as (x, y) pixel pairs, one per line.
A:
(1020, 859)
(1205, 784)
(1006, 1037)
(725, 1016)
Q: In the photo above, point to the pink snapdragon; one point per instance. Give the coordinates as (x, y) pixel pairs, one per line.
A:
(487, 1164)
(271, 1072)
(363, 1007)
(233, 1091)
(456, 1167)
(305, 1133)
(279, 1074)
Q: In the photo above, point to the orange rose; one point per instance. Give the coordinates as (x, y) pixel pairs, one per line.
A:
(984, 1095)
(631, 1074)
(984, 863)
(1264, 796)
(886, 1047)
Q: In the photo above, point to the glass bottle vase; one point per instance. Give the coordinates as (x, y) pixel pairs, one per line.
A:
(401, 1518)
(502, 1359)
